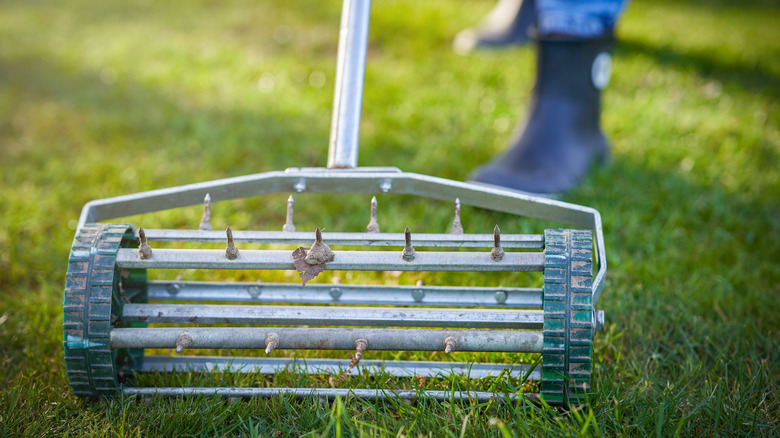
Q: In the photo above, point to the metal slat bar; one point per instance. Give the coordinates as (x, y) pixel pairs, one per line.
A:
(508, 241)
(344, 260)
(328, 338)
(331, 316)
(272, 365)
(345, 294)
(329, 393)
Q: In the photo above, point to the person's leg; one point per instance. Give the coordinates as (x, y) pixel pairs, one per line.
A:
(506, 24)
(561, 135)
(583, 19)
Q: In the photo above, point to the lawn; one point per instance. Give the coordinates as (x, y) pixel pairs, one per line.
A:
(101, 99)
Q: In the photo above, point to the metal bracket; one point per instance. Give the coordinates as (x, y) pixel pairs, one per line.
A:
(360, 180)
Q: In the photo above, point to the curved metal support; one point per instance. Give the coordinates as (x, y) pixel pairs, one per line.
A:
(360, 180)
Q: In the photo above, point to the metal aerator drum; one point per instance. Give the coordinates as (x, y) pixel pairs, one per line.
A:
(112, 312)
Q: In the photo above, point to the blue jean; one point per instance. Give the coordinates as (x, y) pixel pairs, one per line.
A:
(577, 18)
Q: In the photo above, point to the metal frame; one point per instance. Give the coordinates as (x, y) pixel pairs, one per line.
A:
(106, 287)
(360, 180)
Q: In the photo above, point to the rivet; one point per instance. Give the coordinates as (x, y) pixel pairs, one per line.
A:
(501, 296)
(174, 288)
(254, 291)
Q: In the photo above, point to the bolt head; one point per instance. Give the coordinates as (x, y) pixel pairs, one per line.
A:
(174, 288)
(254, 291)
(418, 295)
(501, 297)
(335, 292)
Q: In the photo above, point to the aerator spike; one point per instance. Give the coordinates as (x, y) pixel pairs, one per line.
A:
(288, 223)
(144, 250)
(183, 341)
(231, 252)
(319, 253)
(361, 345)
(408, 253)
(497, 253)
(205, 221)
(271, 343)
(373, 226)
(457, 228)
(449, 344)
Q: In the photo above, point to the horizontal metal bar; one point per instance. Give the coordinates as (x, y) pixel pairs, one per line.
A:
(331, 316)
(329, 393)
(508, 241)
(273, 365)
(344, 260)
(345, 294)
(329, 338)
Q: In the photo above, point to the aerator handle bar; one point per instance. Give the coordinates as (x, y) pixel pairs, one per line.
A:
(348, 94)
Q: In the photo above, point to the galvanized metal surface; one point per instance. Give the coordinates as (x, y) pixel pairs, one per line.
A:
(344, 260)
(360, 180)
(329, 338)
(530, 298)
(329, 393)
(272, 365)
(348, 93)
(331, 316)
(508, 241)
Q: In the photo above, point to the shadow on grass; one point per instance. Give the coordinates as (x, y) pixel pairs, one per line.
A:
(754, 78)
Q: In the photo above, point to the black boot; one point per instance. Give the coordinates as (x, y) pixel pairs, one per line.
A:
(561, 136)
(507, 23)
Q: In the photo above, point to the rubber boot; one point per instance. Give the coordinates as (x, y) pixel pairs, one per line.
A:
(506, 24)
(561, 136)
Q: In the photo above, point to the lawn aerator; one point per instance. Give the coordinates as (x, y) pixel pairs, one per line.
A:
(109, 303)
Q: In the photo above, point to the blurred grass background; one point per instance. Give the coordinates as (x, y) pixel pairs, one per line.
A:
(100, 99)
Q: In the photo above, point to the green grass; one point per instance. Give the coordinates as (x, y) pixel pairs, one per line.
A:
(106, 98)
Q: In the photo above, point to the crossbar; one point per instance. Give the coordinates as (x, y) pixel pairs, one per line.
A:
(437, 240)
(313, 293)
(273, 365)
(328, 393)
(328, 338)
(344, 260)
(331, 316)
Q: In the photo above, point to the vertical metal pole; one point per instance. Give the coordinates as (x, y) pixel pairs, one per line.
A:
(348, 94)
